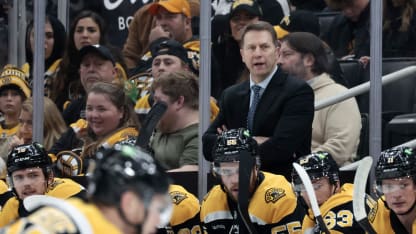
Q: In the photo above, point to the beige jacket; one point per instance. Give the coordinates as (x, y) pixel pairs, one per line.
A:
(335, 129)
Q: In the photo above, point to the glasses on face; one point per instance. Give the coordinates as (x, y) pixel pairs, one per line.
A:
(226, 171)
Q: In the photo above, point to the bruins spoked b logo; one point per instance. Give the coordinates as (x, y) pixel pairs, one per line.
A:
(274, 194)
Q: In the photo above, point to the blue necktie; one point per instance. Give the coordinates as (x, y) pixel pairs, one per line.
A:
(256, 97)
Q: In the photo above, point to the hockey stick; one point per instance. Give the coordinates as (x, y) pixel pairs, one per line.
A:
(312, 197)
(245, 168)
(350, 167)
(358, 202)
(149, 124)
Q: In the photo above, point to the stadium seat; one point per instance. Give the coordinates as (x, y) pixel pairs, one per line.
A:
(399, 96)
(353, 72)
(399, 130)
(325, 20)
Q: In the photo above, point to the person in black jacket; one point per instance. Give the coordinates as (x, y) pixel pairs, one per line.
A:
(96, 64)
(281, 123)
(349, 32)
(226, 49)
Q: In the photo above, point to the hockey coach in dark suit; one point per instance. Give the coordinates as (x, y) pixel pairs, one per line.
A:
(276, 108)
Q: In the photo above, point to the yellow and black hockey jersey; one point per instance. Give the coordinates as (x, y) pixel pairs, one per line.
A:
(72, 216)
(384, 220)
(185, 214)
(8, 132)
(273, 208)
(60, 188)
(75, 162)
(337, 214)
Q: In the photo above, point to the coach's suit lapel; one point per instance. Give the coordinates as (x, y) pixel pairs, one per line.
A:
(270, 95)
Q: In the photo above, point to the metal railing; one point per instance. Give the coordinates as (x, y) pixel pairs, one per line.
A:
(365, 87)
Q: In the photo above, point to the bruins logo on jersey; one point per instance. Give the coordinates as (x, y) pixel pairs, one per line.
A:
(373, 205)
(177, 197)
(55, 183)
(274, 194)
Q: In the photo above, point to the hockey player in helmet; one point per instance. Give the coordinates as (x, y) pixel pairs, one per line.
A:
(395, 183)
(334, 200)
(272, 204)
(128, 193)
(29, 171)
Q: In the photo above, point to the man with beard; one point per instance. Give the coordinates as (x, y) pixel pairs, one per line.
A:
(128, 193)
(272, 204)
(29, 171)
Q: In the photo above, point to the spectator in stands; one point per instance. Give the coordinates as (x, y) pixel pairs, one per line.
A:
(97, 65)
(128, 193)
(117, 16)
(167, 56)
(55, 36)
(399, 28)
(175, 142)
(173, 20)
(137, 43)
(53, 124)
(309, 5)
(227, 49)
(349, 32)
(396, 186)
(306, 21)
(298, 21)
(271, 203)
(110, 117)
(276, 108)
(273, 10)
(88, 28)
(334, 199)
(13, 92)
(29, 170)
(332, 130)
(110, 120)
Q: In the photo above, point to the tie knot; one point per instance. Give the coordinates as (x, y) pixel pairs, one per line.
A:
(256, 89)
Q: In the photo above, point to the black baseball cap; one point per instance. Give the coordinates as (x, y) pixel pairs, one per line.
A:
(251, 6)
(298, 21)
(100, 50)
(169, 47)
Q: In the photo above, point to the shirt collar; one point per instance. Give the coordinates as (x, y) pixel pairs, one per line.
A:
(263, 84)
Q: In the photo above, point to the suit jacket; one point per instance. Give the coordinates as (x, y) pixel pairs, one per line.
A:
(284, 113)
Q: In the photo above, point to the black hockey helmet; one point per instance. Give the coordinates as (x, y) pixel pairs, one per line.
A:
(318, 164)
(27, 156)
(395, 163)
(122, 168)
(231, 143)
